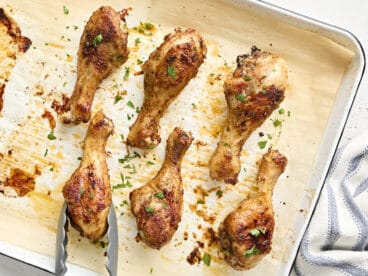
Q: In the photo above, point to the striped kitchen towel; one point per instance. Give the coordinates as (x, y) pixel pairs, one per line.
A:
(336, 242)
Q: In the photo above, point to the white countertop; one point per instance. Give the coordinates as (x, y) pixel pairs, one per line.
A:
(350, 15)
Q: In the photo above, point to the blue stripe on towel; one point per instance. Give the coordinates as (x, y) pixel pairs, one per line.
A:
(297, 270)
(333, 231)
(357, 215)
(342, 266)
(362, 187)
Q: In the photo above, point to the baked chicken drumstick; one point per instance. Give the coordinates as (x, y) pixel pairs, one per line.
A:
(158, 204)
(253, 92)
(102, 48)
(88, 193)
(166, 72)
(246, 233)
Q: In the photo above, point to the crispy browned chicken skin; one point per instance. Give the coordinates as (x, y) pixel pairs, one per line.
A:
(246, 233)
(88, 193)
(167, 71)
(102, 48)
(158, 204)
(253, 92)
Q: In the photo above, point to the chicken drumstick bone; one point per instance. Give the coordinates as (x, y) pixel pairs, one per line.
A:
(253, 92)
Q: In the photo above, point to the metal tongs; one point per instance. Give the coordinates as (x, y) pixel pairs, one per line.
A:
(62, 240)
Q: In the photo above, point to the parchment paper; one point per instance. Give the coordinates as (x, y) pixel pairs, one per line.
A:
(316, 68)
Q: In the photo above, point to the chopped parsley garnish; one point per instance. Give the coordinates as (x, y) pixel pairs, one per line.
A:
(128, 157)
(159, 195)
(219, 193)
(66, 10)
(149, 209)
(51, 136)
(79, 158)
(97, 40)
(127, 166)
(124, 202)
(228, 252)
(151, 270)
(194, 105)
(130, 104)
(206, 259)
(150, 163)
(124, 183)
(269, 136)
(122, 136)
(151, 146)
(119, 58)
(227, 145)
(139, 61)
(133, 171)
(81, 191)
(264, 92)
(247, 78)
(51, 169)
(75, 27)
(254, 232)
(289, 113)
(137, 40)
(148, 26)
(200, 202)
(171, 71)
(276, 123)
(102, 244)
(281, 111)
(64, 84)
(262, 144)
(91, 195)
(129, 117)
(143, 27)
(240, 97)
(117, 99)
(212, 74)
(137, 109)
(251, 252)
(263, 230)
(164, 205)
(46, 152)
(126, 74)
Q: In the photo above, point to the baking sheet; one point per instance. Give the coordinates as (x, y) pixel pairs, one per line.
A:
(316, 69)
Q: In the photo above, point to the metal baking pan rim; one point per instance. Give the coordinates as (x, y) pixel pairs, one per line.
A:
(324, 176)
(45, 263)
(23, 261)
(359, 51)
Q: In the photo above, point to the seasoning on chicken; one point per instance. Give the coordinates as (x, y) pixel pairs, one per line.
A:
(88, 193)
(102, 48)
(167, 71)
(253, 92)
(246, 233)
(158, 204)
